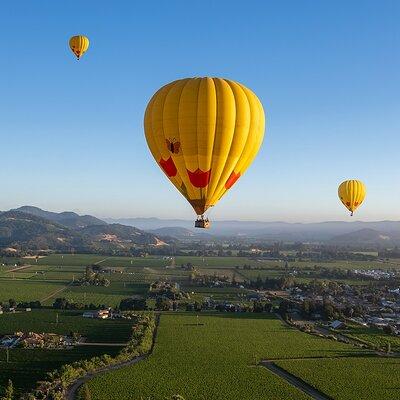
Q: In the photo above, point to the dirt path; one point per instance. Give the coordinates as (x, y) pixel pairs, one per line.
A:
(72, 390)
(99, 262)
(18, 268)
(295, 381)
(56, 292)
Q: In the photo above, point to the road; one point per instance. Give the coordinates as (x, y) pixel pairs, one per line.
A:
(294, 381)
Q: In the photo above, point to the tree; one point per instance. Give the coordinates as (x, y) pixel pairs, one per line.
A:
(12, 303)
(388, 347)
(9, 392)
(132, 304)
(60, 303)
(86, 392)
(163, 304)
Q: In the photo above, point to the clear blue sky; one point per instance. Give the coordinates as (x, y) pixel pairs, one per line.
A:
(328, 74)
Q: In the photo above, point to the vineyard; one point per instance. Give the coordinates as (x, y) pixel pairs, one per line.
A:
(353, 378)
(27, 366)
(216, 359)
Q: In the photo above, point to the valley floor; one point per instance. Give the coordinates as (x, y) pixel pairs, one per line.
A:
(220, 358)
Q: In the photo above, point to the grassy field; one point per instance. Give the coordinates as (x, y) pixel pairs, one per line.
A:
(359, 378)
(26, 366)
(216, 360)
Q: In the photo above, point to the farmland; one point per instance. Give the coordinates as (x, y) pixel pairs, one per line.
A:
(373, 336)
(46, 321)
(48, 277)
(350, 378)
(221, 351)
(27, 366)
(26, 290)
(215, 359)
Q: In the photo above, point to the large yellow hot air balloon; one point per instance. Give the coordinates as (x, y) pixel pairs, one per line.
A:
(352, 194)
(79, 45)
(204, 133)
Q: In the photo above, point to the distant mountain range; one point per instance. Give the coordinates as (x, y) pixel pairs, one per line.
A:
(380, 233)
(33, 228)
(30, 228)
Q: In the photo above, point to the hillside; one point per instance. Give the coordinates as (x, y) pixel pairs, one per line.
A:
(365, 236)
(66, 218)
(119, 234)
(27, 232)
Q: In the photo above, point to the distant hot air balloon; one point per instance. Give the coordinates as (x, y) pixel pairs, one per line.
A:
(352, 194)
(79, 45)
(204, 133)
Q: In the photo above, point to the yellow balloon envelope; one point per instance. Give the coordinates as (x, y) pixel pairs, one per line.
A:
(79, 45)
(204, 133)
(352, 194)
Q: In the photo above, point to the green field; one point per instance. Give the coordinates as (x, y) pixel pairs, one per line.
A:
(215, 360)
(28, 290)
(359, 378)
(110, 296)
(27, 366)
(372, 336)
(45, 321)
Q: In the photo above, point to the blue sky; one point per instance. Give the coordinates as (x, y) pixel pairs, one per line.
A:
(327, 73)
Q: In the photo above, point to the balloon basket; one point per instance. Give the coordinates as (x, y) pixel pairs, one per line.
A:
(202, 223)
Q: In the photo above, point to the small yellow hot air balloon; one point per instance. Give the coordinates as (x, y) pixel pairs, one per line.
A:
(352, 194)
(204, 133)
(79, 45)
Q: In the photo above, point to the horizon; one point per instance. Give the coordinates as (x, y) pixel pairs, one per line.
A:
(104, 218)
(327, 75)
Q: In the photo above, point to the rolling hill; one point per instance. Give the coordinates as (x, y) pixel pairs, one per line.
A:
(66, 218)
(25, 231)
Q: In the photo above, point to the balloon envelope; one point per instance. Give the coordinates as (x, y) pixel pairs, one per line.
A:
(204, 133)
(352, 194)
(79, 45)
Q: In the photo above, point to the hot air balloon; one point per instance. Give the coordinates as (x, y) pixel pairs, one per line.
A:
(79, 45)
(352, 194)
(204, 133)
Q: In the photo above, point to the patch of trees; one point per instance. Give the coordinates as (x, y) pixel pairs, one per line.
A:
(281, 283)
(30, 304)
(132, 304)
(61, 303)
(92, 278)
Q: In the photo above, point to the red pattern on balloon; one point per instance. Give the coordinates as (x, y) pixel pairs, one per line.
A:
(232, 179)
(199, 178)
(168, 166)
